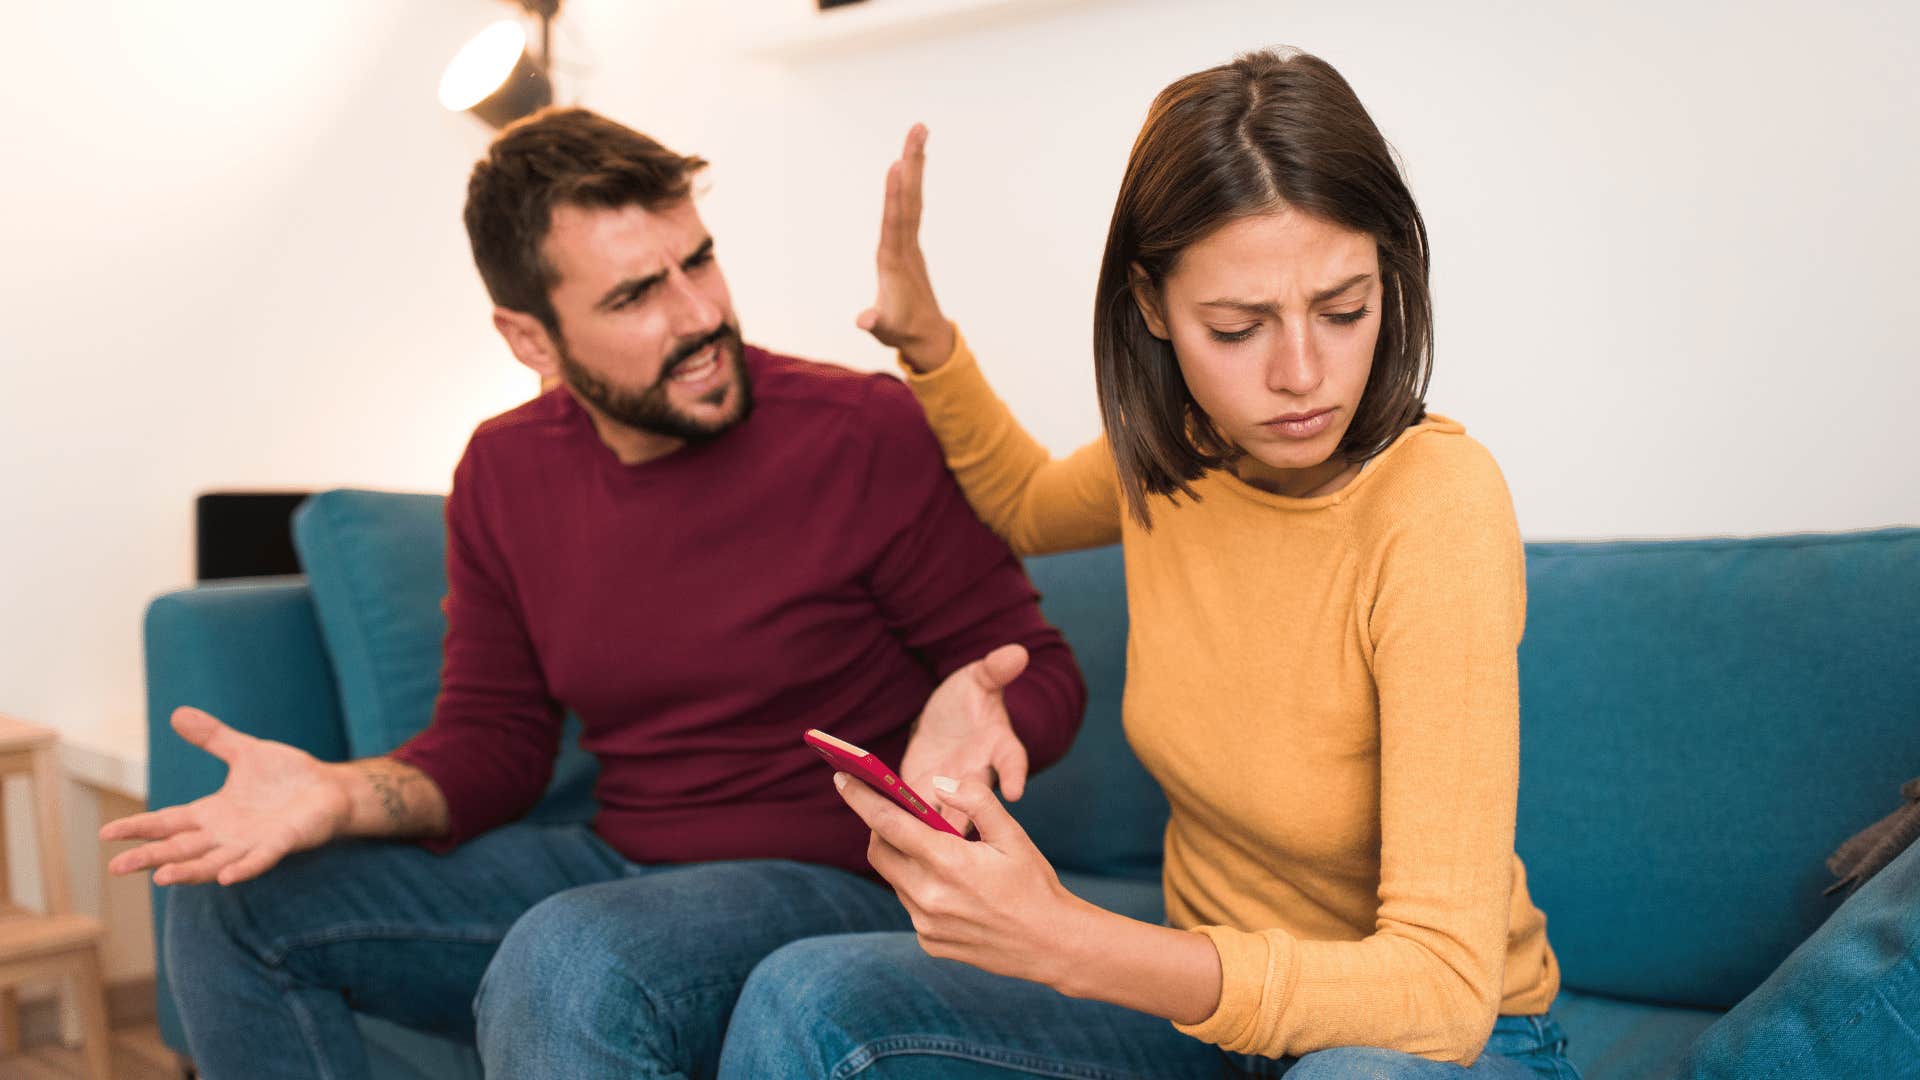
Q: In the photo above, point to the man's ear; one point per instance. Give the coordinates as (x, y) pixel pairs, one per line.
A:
(531, 344)
(1147, 298)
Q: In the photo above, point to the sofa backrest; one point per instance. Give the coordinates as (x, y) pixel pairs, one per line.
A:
(1702, 723)
(1096, 810)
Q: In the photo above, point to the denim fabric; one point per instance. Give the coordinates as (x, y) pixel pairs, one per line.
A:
(269, 973)
(1846, 1003)
(876, 1005)
(637, 977)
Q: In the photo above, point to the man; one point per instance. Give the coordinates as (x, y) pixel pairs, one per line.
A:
(700, 548)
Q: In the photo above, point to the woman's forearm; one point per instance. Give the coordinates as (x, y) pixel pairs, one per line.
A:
(1151, 969)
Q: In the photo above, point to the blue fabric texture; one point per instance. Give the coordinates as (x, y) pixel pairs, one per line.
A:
(376, 562)
(877, 1007)
(1702, 723)
(1096, 810)
(1846, 1003)
(249, 653)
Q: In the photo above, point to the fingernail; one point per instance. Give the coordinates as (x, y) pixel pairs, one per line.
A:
(946, 785)
(840, 781)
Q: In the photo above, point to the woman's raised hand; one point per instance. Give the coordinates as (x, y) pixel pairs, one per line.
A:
(905, 315)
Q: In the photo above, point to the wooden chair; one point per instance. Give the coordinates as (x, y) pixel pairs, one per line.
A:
(37, 946)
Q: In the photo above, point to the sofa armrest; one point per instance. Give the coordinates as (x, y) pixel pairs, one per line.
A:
(249, 652)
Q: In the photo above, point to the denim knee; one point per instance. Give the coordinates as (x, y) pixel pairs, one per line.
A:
(783, 1024)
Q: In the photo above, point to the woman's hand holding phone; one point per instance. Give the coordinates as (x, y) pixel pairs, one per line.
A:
(995, 903)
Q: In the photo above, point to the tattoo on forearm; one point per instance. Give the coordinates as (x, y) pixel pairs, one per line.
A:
(390, 780)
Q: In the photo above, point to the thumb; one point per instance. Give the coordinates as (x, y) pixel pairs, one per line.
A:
(975, 799)
(199, 727)
(867, 320)
(1001, 666)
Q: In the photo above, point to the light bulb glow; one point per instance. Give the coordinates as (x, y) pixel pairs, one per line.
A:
(482, 64)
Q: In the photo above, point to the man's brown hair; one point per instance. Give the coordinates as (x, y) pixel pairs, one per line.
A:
(1268, 130)
(558, 157)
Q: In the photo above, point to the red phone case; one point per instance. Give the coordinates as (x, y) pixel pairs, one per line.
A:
(850, 759)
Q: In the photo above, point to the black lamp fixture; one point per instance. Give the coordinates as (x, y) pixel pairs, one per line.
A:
(495, 75)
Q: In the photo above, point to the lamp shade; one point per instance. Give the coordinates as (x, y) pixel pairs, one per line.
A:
(494, 77)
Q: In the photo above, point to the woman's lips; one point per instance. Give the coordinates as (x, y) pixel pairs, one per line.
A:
(1300, 425)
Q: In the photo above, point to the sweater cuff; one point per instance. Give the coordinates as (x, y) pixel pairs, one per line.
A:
(1256, 977)
(959, 360)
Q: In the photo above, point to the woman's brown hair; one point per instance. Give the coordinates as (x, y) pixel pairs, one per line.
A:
(1265, 131)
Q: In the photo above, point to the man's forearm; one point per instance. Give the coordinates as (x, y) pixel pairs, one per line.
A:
(391, 799)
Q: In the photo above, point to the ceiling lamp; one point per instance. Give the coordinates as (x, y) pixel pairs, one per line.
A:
(495, 75)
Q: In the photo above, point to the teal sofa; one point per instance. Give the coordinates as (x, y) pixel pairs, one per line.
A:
(1702, 722)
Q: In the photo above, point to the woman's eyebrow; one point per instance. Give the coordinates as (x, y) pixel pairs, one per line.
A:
(1262, 307)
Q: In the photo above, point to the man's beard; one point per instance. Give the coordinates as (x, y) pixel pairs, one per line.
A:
(650, 410)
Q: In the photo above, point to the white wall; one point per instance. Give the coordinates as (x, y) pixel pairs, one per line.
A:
(1674, 244)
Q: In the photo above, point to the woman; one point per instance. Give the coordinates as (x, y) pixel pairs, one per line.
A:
(1326, 589)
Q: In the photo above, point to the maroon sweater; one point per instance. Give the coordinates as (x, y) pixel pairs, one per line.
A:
(816, 566)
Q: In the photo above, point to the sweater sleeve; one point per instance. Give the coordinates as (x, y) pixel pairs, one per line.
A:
(495, 732)
(1036, 504)
(950, 589)
(1448, 609)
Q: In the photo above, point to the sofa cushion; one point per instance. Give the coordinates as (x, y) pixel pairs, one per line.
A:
(1608, 1039)
(1702, 723)
(375, 563)
(1097, 810)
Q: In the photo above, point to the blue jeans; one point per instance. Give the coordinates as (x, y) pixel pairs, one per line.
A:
(1846, 1003)
(875, 1005)
(557, 956)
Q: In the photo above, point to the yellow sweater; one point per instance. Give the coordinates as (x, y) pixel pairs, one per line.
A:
(1327, 690)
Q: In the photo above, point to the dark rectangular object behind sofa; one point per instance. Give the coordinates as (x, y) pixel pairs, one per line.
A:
(245, 534)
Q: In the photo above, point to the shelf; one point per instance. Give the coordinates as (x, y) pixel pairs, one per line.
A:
(873, 23)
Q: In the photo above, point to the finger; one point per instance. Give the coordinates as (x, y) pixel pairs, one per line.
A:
(894, 825)
(252, 864)
(152, 825)
(916, 159)
(867, 320)
(997, 827)
(186, 846)
(1001, 666)
(199, 727)
(892, 217)
(1010, 766)
(898, 868)
(953, 815)
(200, 870)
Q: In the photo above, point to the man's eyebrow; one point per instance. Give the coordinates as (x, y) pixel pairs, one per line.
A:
(633, 288)
(1258, 307)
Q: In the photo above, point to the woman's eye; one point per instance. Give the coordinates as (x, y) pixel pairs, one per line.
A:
(1347, 318)
(1231, 336)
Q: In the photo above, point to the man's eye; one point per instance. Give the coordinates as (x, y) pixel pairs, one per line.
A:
(1231, 336)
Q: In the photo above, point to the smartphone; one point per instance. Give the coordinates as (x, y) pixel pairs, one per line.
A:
(850, 759)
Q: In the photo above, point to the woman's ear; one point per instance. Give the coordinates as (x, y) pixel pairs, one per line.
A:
(1147, 298)
(531, 344)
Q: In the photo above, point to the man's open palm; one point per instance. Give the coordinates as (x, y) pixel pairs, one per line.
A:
(277, 799)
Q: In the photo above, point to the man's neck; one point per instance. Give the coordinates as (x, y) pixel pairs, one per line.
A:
(630, 446)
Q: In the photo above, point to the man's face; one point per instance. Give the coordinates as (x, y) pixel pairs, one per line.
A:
(647, 330)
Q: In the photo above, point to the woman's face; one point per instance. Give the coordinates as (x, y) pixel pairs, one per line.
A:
(1273, 319)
